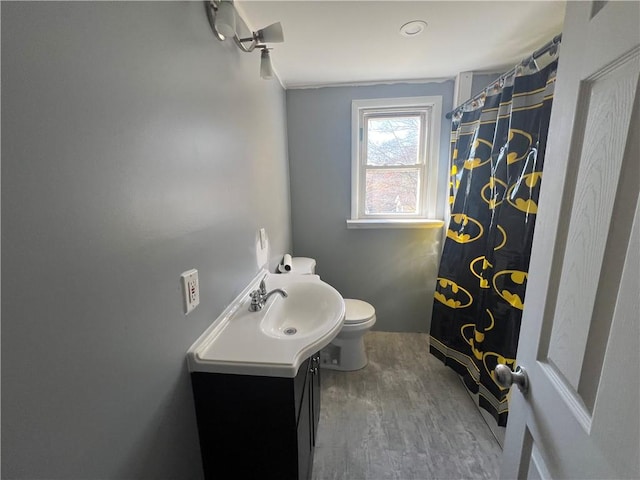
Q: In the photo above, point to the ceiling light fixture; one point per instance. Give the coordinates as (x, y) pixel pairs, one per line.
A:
(226, 23)
(413, 28)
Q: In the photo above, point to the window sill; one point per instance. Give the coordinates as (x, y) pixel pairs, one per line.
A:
(396, 223)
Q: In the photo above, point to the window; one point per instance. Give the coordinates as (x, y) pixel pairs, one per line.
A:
(394, 162)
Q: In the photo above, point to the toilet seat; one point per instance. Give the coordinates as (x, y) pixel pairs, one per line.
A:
(357, 311)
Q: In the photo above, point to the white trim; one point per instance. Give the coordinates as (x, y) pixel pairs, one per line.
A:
(428, 195)
(355, 148)
(396, 223)
(304, 86)
(462, 89)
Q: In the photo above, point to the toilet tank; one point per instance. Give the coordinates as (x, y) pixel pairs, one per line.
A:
(303, 265)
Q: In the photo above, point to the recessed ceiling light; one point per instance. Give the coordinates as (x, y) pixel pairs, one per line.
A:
(413, 28)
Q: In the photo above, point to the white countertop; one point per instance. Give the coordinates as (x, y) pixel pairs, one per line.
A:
(235, 343)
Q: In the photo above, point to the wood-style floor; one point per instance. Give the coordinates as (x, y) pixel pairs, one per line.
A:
(405, 416)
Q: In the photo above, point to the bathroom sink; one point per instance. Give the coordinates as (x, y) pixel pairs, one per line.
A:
(275, 340)
(303, 313)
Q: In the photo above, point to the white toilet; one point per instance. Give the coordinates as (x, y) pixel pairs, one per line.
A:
(346, 351)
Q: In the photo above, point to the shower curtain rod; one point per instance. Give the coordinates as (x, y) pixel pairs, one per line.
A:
(550, 45)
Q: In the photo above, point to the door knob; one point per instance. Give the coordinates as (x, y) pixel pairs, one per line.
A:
(505, 377)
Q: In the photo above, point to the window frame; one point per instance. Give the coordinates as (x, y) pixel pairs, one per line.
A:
(430, 109)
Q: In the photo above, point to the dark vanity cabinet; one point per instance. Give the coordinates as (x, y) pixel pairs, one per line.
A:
(257, 426)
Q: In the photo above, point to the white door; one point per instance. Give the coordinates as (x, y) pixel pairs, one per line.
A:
(580, 336)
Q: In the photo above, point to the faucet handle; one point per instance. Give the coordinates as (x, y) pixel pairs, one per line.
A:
(256, 301)
(263, 286)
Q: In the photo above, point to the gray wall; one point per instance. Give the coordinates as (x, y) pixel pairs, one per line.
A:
(480, 81)
(395, 270)
(134, 146)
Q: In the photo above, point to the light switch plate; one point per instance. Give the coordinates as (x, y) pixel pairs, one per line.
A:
(190, 290)
(263, 238)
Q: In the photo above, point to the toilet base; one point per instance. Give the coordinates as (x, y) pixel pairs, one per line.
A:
(345, 354)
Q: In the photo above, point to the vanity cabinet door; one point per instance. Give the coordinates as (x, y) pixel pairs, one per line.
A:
(300, 385)
(315, 396)
(305, 433)
(246, 425)
(257, 426)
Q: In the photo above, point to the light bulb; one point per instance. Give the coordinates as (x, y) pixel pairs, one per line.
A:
(266, 70)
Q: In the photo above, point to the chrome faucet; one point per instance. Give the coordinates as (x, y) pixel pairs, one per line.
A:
(260, 296)
(275, 290)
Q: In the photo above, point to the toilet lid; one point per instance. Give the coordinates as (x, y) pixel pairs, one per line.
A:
(357, 311)
(303, 265)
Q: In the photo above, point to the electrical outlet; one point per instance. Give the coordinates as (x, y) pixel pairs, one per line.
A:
(190, 290)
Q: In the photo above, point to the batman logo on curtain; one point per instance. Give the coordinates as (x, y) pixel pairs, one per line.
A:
(519, 145)
(481, 154)
(493, 192)
(451, 294)
(522, 195)
(511, 285)
(478, 267)
(464, 229)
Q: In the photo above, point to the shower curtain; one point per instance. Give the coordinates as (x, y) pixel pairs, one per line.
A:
(497, 156)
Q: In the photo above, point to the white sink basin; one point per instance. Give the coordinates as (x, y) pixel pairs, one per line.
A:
(277, 339)
(304, 313)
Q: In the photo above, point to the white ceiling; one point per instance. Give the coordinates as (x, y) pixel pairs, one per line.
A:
(342, 42)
